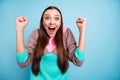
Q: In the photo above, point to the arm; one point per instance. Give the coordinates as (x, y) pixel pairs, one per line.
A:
(21, 22)
(24, 58)
(24, 52)
(74, 53)
(81, 24)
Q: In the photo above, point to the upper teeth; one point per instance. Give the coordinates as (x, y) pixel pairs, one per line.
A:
(51, 27)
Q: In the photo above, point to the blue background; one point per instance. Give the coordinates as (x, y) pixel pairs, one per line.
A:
(102, 57)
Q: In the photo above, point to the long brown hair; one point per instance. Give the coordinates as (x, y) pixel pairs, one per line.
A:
(43, 41)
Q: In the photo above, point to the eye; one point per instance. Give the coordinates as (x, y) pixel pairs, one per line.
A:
(57, 18)
(47, 18)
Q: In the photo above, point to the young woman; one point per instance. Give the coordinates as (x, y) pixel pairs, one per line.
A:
(50, 47)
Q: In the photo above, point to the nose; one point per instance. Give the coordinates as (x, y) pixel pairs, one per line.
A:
(51, 21)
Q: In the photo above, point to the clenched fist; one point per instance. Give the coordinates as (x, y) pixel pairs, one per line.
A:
(21, 22)
(81, 23)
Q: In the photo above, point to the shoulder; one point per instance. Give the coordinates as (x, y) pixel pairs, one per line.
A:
(67, 31)
(34, 33)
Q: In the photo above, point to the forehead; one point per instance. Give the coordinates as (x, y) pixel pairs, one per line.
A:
(52, 12)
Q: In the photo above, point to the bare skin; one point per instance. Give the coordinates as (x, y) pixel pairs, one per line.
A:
(51, 21)
(81, 24)
(21, 23)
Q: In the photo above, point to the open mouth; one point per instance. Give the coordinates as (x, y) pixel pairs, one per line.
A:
(51, 28)
(51, 31)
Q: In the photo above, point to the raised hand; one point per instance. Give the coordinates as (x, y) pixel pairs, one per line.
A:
(81, 23)
(21, 22)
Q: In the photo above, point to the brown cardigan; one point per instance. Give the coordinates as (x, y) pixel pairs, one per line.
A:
(68, 41)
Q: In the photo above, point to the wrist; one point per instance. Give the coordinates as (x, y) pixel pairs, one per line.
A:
(19, 30)
(82, 30)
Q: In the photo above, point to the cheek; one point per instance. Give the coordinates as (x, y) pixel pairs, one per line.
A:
(45, 23)
(58, 24)
(45, 26)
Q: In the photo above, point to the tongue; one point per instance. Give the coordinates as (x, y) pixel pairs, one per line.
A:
(51, 31)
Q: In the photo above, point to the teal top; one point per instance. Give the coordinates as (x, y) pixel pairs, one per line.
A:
(48, 65)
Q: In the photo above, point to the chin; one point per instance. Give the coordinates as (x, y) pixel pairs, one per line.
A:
(51, 35)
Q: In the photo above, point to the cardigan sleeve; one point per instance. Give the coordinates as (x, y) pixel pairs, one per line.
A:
(74, 53)
(24, 58)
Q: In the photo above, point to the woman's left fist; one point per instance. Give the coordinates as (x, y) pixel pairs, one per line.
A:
(81, 23)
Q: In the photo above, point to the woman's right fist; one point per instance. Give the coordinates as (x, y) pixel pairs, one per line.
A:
(21, 22)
